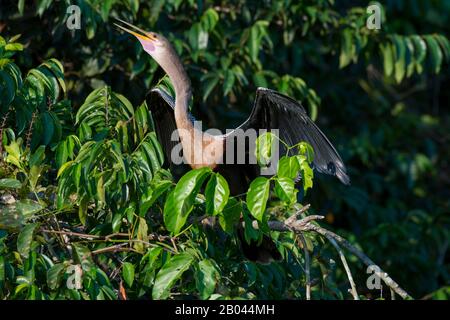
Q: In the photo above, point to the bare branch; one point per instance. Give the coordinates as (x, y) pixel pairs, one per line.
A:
(346, 267)
(365, 259)
(305, 225)
(117, 248)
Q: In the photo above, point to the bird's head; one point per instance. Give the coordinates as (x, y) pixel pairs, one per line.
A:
(164, 54)
(153, 43)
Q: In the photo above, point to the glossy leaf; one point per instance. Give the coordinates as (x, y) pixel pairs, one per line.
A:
(217, 193)
(180, 201)
(171, 271)
(285, 189)
(206, 277)
(257, 196)
(128, 273)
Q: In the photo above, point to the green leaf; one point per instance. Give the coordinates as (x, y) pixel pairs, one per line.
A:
(101, 192)
(206, 277)
(169, 274)
(58, 71)
(307, 150)
(420, 52)
(410, 63)
(257, 197)
(285, 189)
(347, 48)
(128, 273)
(217, 193)
(37, 157)
(263, 149)
(7, 88)
(307, 173)
(82, 210)
(20, 6)
(209, 19)
(2, 271)
(228, 82)
(230, 215)
(10, 184)
(14, 47)
(400, 62)
(180, 201)
(387, 50)
(142, 235)
(28, 207)
(288, 167)
(256, 33)
(49, 128)
(158, 190)
(25, 239)
(435, 57)
(64, 167)
(445, 45)
(55, 275)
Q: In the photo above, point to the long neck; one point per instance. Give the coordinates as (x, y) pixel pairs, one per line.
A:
(182, 86)
(192, 138)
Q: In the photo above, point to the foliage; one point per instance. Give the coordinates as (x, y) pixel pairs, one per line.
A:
(79, 155)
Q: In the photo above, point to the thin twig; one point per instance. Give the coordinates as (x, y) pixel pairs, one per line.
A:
(346, 267)
(392, 294)
(298, 213)
(110, 238)
(73, 234)
(151, 236)
(117, 248)
(307, 266)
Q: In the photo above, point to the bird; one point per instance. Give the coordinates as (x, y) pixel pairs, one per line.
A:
(272, 110)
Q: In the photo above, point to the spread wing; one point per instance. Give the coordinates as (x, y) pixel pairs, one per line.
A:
(273, 110)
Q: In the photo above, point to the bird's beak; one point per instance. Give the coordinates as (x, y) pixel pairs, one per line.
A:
(141, 35)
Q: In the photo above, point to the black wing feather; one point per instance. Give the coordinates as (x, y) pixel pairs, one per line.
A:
(162, 105)
(162, 110)
(273, 110)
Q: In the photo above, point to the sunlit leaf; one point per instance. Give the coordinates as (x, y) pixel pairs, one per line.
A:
(128, 273)
(169, 274)
(217, 193)
(180, 201)
(257, 197)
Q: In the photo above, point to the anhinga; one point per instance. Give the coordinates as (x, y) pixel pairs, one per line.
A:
(271, 110)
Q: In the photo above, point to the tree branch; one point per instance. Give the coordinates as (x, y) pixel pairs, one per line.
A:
(346, 267)
(305, 225)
